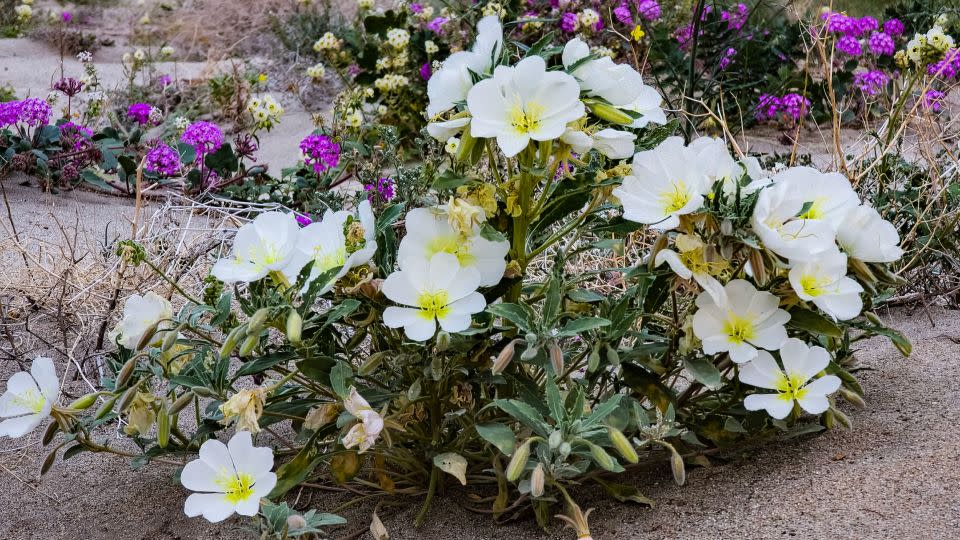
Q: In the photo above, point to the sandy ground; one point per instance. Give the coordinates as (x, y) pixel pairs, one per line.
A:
(894, 475)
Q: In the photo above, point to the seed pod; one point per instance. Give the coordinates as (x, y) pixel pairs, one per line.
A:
(601, 457)
(519, 461)
(622, 444)
(203, 391)
(443, 341)
(853, 398)
(556, 358)
(255, 324)
(182, 402)
(84, 401)
(230, 342)
(123, 377)
(48, 461)
(610, 113)
(677, 466)
(50, 432)
(294, 326)
(537, 481)
(504, 358)
(757, 265)
(371, 364)
(249, 343)
(106, 407)
(147, 337)
(163, 425)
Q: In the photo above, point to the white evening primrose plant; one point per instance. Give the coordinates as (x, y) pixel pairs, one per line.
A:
(266, 245)
(142, 315)
(739, 323)
(796, 383)
(29, 398)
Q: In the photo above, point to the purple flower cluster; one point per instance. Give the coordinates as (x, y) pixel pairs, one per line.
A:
(204, 137)
(849, 45)
(948, 68)
(436, 25)
(69, 86)
(893, 27)
(320, 152)
(32, 112)
(568, 22)
(839, 23)
(648, 10)
(788, 107)
(426, 71)
(79, 135)
(871, 82)
(623, 14)
(727, 58)
(383, 188)
(882, 44)
(735, 18)
(416, 8)
(140, 113)
(162, 160)
(932, 99)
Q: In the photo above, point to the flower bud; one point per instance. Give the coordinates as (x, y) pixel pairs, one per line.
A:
(163, 425)
(677, 466)
(249, 343)
(85, 401)
(50, 432)
(128, 397)
(622, 444)
(296, 521)
(757, 265)
(609, 113)
(529, 353)
(519, 461)
(872, 317)
(556, 358)
(465, 151)
(504, 358)
(537, 480)
(842, 418)
(657, 247)
(565, 449)
(853, 398)
(147, 337)
(123, 376)
(230, 342)
(106, 407)
(601, 457)
(170, 339)
(555, 439)
(443, 341)
(294, 326)
(255, 324)
(182, 402)
(862, 271)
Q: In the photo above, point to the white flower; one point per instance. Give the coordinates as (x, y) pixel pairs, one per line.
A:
(588, 18)
(29, 398)
(439, 290)
(398, 38)
(23, 12)
(265, 245)
(429, 232)
(316, 71)
(579, 141)
(363, 434)
(365, 5)
(166, 51)
(353, 118)
(801, 363)
(139, 55)
(85, 57)
(450, 84)
(613, 143)
(739, 322)
(329, 246)
(523, 103)
(866, 236)
(647, 105)
(717, 162)
(823, 280)
(452, 146)
(691, 262)
(797, 216)
(327, 41)
(667, 182)
(140, 313)
(230, 478)
(430, 47)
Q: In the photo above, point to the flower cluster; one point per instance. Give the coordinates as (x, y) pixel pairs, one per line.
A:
(162, 159)
(871, 82)
(266, 112)
(382, 189)
(320, 153)
(144, 114)
(31, 112)
(790, 107)
(203, 136)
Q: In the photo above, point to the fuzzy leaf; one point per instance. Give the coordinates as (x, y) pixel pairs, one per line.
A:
(498, 435)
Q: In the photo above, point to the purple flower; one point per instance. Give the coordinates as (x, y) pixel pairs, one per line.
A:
(794, 106)
(623, 14)
(69, 86)
(932, 100)
(949, 67)
(866, 24)
(735, 19)
(839, 23)
(893, 27)
(436, 25)
(767, 107)
(9, 113)
(140, 112)
(683, 35)
(303, 219)
(383, 188)
(34, 112)
(162, 160)
(789, 107)
(416, 8)
(353, 70)
(204, 137)
(849, 45)
(727, 58)
(66, 16)
(320, 152)
(164, 81)
(568, 22)
(425, 71)
(648, 10)
(882, 44)
(79, 135)
(871, 82)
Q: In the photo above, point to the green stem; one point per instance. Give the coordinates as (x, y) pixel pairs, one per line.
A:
(173, 284)
(431, 491)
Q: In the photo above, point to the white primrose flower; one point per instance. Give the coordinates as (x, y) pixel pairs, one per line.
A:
(330, 246)
(522, 103)
(429, 232)
(613, 143)
(667, 182)
(229, 478)
(866, 236)
(797, 216)
(29, 398)
(717, 162)
(438, 290)
(823, 280)
(743, 320)
(450, 84)
(140, 313)
(442, 131)
(266, 244)
(363, 434)
(792, 383)
(580, 141)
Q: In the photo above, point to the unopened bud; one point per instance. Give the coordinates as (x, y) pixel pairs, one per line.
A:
(128, 397)
(294, 326)
(677, 466)
(872, 317)
(443, 341)
(255, 324)
(862, 271)
(842, 418)
(504, 358)
(296, 521)
(622, 444)
(371, 363)
(84, 401)
(610, 113)
(249, 343)
(853, 398)
(50, 432)
(519, 461)
(537, 481)
(147, 337)
(163, 425)
(556, 358)
(555, 439)
(230, 342)
(565, 450)
(658, 246)
(170, 339)
(757, 265)
(182, 402)
(594, 361)
(601, 457)
(123, 376)
(106, 407)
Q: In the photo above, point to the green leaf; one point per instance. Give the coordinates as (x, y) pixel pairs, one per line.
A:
(577, 327)
(498, 435)
(647, 385)
(524, 414)
(340, 377)
(389, 215)
(585, 296)
(262, 364)
(624, 493)
(448, 179)
(704, 371)
(813, 322)
(554, 401)
(602, 411)
(514, 313)
(345, 308)
(298, 469)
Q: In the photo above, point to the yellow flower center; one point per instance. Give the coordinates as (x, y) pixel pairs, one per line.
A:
(812, 285)
(815, 211)
(526, 118)
(433, 305)
(324, 260)
(31, 399)
(676, 198)
(452, 244)
(790, 388)
(738, 329)
(236, 487)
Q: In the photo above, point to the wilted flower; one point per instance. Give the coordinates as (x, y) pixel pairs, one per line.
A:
(363, 434)
(800, 364)
(244, 408)
(229, 478)
(29, 398)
